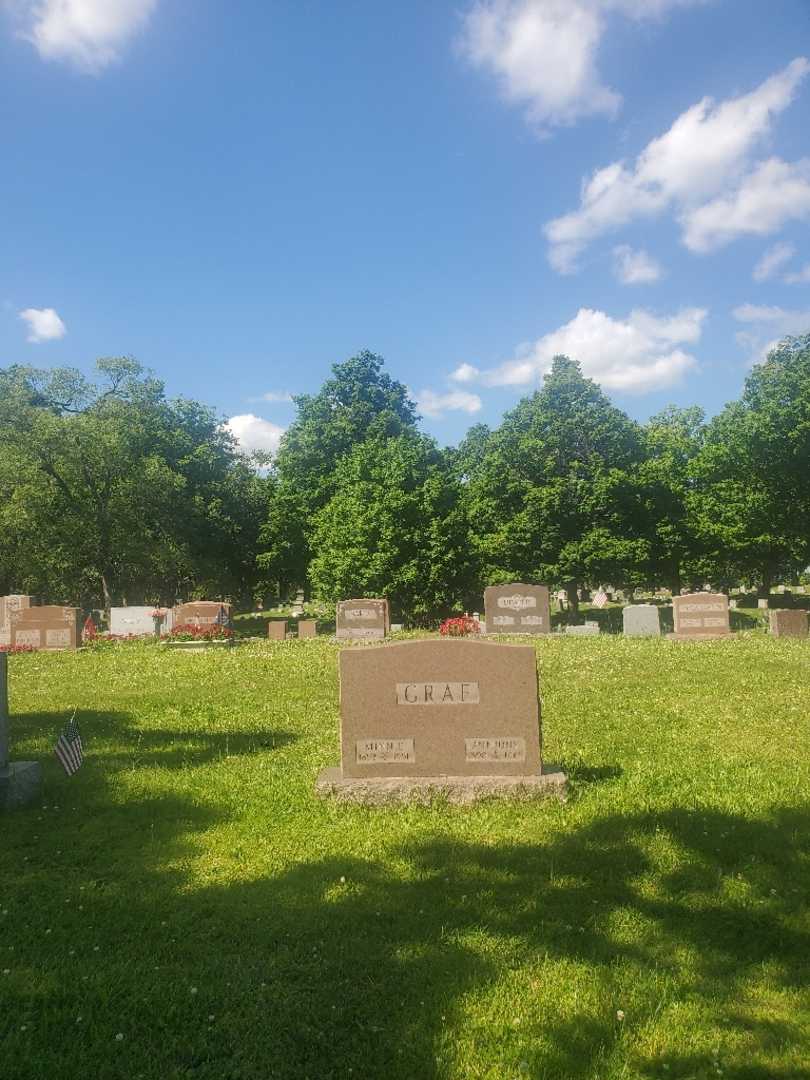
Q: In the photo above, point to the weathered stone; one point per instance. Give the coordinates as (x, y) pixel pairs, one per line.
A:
(49, 627)
(590, 629)
(787, 623)
(277, 629)
(365, 619)
(20, 781)
(641, 620)
(459, 790)
(700, 615)
(307, 628)
(516, 609)
(9, 604)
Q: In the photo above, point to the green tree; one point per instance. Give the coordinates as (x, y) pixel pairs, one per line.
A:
(359, 403)
(672, 440)
(555, 492)
(109, 490)
(393, 527)
(751, 499)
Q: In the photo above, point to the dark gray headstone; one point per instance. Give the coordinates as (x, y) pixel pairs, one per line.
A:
(20, 781)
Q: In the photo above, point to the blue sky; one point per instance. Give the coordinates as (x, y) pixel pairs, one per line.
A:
(240, 195)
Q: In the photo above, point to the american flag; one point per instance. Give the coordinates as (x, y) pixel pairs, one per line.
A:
(69, 747)
(599, 599)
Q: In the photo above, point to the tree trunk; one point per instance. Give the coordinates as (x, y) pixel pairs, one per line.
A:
(107, 599)
(573, 596)
(764, 586)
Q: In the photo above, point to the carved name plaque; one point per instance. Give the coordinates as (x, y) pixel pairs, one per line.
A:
(517, 609)
(508, 749)
(393, 724)
(28, 637)
(387, 751)
(438, 693)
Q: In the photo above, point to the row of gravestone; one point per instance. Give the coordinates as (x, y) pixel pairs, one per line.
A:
(50, 626)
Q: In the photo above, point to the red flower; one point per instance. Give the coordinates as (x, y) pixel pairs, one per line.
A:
(460, 626)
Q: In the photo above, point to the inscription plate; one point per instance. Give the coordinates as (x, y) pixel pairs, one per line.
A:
(438, 693)
(57, 639)
(505, 749)
(384, 751)
(28, 637)
(528, 605)
(391, 724)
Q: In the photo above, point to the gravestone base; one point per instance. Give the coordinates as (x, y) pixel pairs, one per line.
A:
(459, 790)
(699, 637)
(20, 784)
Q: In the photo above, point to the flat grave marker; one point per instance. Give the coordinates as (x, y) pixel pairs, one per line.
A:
(517, 609)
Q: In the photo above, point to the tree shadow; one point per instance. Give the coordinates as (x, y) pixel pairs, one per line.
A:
(375, 967)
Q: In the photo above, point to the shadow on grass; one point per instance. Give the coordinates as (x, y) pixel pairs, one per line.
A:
(111, 739)
(345, 965)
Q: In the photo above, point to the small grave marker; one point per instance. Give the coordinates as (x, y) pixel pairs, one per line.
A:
(789, 623)
(361, 620)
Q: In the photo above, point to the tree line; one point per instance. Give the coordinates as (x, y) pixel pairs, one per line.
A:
(109, 491)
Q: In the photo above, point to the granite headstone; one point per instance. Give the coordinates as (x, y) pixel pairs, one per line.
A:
(700, 615)
(516, 609)
(641, 620)
(365, 619)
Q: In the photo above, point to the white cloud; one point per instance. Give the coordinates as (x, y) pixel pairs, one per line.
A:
(706, 149)
(253, 433)
(436, 405)
(87, 33)
(543, 52)
(43, 325)
(775, 192)
(465, 373)
(767, 326)
(772, 261)
(634, 267)
(275, 397)
(801, 277)
(633, 355)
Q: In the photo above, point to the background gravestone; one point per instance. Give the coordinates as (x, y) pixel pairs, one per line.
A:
(700, 615)
(20, 781)
(787, 623)
(589, 629)
(516, 609)
(456, 716)
(200, 612)
(138, 620)
(9, 604)
(361, 619)
(277, 629)
(641, 620)
(48, 627)
(307, 628)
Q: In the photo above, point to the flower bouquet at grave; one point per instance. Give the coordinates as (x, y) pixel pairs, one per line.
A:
(17, 648)
(89, 631)
(189, 632)
(460, 626)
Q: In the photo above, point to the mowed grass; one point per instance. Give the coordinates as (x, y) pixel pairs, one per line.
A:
(184, 907)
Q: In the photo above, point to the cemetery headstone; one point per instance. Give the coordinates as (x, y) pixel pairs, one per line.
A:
(641, 620)
(361, 620)
(700, 615)
(9, 604)
(20, 781)
(307, 628)
(517, 609)
(397, 627)
(451, 716)
(276, 629)
(789, 623)
(49, 627)
(588, 629)
(200, 612)
(138, 621)
(763, 603)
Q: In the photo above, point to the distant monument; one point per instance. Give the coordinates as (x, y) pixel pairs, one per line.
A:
(517, 609)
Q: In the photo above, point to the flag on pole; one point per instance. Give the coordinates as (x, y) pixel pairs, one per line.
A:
(69, 747)
(599, 599)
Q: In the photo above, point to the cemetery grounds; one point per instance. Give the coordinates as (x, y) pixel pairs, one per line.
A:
(183, 907)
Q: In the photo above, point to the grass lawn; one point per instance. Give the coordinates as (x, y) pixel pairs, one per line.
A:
(184, 908)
